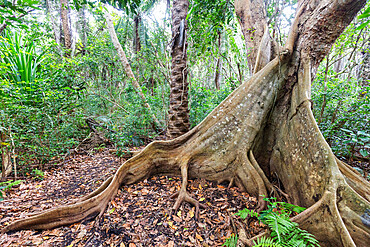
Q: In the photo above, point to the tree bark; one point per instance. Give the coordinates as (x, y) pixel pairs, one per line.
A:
(365, 67)
(178, 114)
(6, 164)
(137, 42)
(64, 7)
(54, 24)
(218, 71)
(264, 129)
(126, 65)
(253, 21)
(2, 27)
(83, 26)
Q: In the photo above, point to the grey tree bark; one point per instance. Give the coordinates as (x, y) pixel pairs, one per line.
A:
(253, 21)
(218, 66)
(83, 26)
(64, 9)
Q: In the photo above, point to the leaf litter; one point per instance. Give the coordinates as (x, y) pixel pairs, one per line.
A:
(139, 215)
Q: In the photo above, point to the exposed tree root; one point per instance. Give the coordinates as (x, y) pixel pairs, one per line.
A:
(183, 195)
(354, 179)
(250, 180)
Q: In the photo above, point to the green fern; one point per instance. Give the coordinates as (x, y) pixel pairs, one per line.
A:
(284, 232)
(231, 241)
(266, 242)
(245, 212)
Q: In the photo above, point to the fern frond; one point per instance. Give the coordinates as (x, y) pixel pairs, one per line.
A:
(245, 212)
(266, 242)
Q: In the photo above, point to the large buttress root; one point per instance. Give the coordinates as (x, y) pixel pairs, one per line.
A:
(248, 179)
(336, 197)
(65, 215)
(354, 179)
(211, 148)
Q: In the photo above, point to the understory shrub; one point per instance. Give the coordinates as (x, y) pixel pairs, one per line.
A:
(343, 115)
(39, 101)
(203, 100)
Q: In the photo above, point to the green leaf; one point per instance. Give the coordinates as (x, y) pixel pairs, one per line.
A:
(365, 14)
(364, 152)
(363, 25)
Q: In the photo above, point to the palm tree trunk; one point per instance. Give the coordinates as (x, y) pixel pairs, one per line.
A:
(178, 114)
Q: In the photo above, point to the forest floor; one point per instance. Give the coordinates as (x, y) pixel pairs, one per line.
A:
(138, 216)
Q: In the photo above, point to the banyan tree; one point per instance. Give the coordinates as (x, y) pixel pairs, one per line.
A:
(264, 130)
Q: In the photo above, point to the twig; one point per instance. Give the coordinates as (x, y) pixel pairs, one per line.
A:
(111, 101)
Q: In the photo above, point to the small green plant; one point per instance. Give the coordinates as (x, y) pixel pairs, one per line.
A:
(284, 232)
(38, 174)
(357, 140)
(7, 185)
(231, 241)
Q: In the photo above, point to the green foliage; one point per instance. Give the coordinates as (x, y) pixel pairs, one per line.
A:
(7, 185)
(365, 15)
(38, 100)
(203, 100)
(19, 57)
(343, 117)
(132, 127)
(12, 11)
(359, 139)
(284, 232)
(231, 241)
(207, 18)
(38, 174)
(340, 95)
(266, 242)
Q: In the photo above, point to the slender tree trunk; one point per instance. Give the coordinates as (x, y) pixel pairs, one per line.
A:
(137, 42)
(178, 115)
(2, 27)
(218, 71)
(83, 26)
(365, 67)
(263, 131)
(126, 65)
(54, 25)
(6, 164)
(64, 9)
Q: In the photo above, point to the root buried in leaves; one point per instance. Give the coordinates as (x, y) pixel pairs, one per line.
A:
(140, 213)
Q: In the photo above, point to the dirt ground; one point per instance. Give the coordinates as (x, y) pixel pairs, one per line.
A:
(140, 214)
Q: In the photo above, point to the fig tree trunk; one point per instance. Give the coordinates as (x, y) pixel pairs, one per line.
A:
(265, 128)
